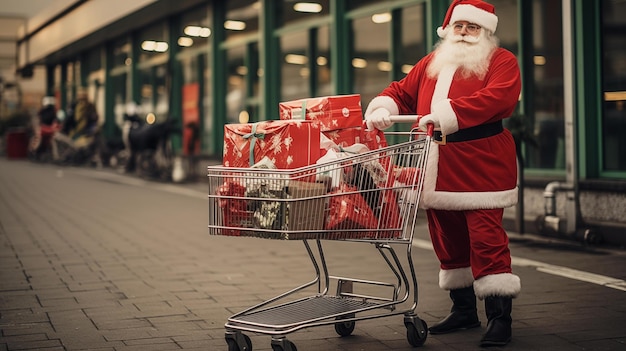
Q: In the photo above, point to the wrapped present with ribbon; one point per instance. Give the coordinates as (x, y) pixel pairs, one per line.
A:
(287, 144)
(234, 207)
(330, 112)
(349, 213)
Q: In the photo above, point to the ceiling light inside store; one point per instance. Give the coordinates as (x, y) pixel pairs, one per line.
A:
(148, 45)
(359, 63)
(197, 31)
(242, 70)
(161, 46)
(406, 68)
(384, 66)
(185, 42)
(308, 7)
(381, 17)
(322, 61)
(151, 45)
(295, 59)
(234, 25)
(539, 60)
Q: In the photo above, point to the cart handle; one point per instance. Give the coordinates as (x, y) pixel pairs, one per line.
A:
(412, 119)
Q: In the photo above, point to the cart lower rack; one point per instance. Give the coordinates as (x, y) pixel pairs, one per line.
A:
(366, 198)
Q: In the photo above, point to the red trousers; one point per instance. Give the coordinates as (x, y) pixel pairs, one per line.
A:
(472, 238)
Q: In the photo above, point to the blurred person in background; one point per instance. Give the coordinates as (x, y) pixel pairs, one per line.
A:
(45, 125)
(76, 142)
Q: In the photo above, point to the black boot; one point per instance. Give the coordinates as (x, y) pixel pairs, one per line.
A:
(498, 310)
(462, 315)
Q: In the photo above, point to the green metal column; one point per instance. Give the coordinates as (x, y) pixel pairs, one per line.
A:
(135, 84)
(63, 86)
(50, 80)
(340, 45)
(84, 73)
(436, 12)
(175, 77)
(588, 97)
(218, 71)
(312, 65)
(269, 49)
(110, 129)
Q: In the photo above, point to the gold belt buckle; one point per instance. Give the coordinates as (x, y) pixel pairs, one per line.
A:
(443, 140)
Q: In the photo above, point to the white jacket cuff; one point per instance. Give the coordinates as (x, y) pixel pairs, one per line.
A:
(448, 121)
(382, 102)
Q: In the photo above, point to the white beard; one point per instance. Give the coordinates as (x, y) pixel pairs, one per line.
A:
(469, 54)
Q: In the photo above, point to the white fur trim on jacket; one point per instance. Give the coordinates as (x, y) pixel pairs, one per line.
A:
(459, 278)
(448, 121)
(459, 201)
(382, 102)
(503, 284)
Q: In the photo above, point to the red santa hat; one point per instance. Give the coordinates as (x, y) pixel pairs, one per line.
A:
(474, 11)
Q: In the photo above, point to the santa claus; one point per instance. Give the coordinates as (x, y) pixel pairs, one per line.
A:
(465, 88)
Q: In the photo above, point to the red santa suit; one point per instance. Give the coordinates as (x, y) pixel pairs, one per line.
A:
(467, 182)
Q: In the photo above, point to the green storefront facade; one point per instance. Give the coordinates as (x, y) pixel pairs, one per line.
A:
(216, 62)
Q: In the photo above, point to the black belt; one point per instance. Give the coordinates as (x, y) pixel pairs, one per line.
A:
(473, 133)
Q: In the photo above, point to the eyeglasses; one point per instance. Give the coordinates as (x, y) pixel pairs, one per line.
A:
(471, 28)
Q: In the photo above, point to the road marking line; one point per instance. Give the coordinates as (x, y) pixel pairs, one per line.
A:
(564, 272)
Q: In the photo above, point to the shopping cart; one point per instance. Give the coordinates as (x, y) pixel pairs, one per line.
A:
(369, 197)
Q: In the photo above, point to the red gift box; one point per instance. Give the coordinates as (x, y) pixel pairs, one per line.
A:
(349, 211)
(287, 144)
(331, 112)
(234, 207)
(344, 137)
(373, 139)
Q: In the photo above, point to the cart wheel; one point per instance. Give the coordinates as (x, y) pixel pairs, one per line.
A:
(415, 337)
(233, 346)
(283, 345)
(345, 328)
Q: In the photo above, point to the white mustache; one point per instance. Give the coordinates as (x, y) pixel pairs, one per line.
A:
(465, 38)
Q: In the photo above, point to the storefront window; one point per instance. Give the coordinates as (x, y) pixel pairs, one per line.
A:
(153, 42)
(242, 18)
(305, 64)
(120, 96)
(614, 85)
(370, 60)
(195, 30)
(122, 52)
(322, 62)
(295, 66)
(413, 46)
(547, 100)
(154, 94)
(236, 84)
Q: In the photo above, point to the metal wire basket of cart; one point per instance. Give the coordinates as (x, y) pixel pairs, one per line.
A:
(369, 198)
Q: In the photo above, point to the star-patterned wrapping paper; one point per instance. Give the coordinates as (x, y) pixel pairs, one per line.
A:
(287, 144)
(330, 112)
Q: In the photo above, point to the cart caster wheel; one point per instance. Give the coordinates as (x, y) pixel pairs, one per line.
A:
(283, 345)
(345, 328)
(415, 335)
(235, 342)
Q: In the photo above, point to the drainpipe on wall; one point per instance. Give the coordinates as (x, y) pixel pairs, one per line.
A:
(568, 225)
(551, 220)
